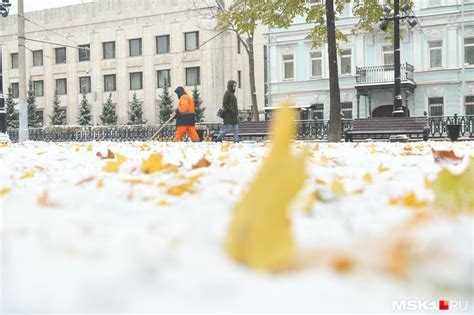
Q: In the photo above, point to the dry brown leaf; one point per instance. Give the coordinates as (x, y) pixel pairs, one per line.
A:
(110, 155)
(85, 180)
(202, 163)
(343, 264)
(441, 156)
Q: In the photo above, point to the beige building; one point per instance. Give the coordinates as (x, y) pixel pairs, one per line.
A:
(125, 47)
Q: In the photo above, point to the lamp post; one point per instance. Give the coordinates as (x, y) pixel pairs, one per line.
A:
(396, 17)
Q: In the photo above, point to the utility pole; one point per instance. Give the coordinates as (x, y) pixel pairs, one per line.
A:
(23, 132)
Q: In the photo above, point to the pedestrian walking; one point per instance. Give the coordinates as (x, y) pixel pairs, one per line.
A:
(231, 111)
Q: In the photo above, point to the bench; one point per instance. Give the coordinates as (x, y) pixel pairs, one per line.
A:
(248, 130)
(385, 127)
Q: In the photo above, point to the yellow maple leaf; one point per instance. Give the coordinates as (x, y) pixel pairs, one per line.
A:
(368, 178)
(100, 183)
(324, 161)
(155, 164)
(259, 234)
(27, 175)
(113, 167)
(382, 169)
(455, 192)
(179, 190)
(135, 181)
(89, 148)
(409, 200)
(5, 191)
(338, 187)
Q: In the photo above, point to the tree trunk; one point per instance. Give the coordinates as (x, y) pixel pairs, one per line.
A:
(334, 134)
(253, 89)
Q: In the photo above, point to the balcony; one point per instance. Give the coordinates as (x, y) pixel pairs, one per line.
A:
(383, 75)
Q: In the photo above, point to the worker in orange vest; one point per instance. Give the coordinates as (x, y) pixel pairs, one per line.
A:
(185, 116)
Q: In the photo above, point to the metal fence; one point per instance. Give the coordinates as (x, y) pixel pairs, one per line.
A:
(307, 130)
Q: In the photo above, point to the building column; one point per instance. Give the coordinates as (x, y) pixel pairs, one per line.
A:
(369, 114)
(358, 105)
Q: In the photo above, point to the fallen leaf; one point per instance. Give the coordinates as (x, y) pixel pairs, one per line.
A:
(41, 153)
(27, 175)
(320, 181)
(202, 163)
(154, 164)
(40, 168)
(100, 183)
(382, 169)
(136, 181)
(44, 201)
(441, 156)
(162, 203)
(110, 155)
(89, 148)
(181, 189)
(337, 187)
(113, 167)
(409, 200)
(455, 192)
(5, 191)
(343, 264)
(368, 178)
(85, 180)
(259, 234)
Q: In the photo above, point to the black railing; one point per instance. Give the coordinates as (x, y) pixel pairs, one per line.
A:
(307, 130)
(383, 74)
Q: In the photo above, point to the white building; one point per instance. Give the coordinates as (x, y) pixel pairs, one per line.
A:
(128, 47)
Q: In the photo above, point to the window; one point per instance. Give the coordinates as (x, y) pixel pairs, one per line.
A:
(436, 105)
(347, 8)
(470, 105)
(191, 41)
(318, 111)
(163, 44)
(37, 58)
(135, 47)
(85, 84)
(434, 3)
(346, 109)
(60, 55)
(61, 87)
(110, 83)
(84, 52)
(136, 81)
(435, 48)
(164, 78)
(14, 61)
(316, 64)
(346, 61)
(38, 87)
(239, 79)
(387, 52)
(15, 90)
(469, 50)
(193, 76)
(288, 67)
(109, 50)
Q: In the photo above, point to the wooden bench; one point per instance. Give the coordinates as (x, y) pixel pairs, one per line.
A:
(385, 127)
(248, 130)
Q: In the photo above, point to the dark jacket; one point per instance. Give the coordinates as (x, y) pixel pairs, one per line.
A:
(185, 114)
(230, 105)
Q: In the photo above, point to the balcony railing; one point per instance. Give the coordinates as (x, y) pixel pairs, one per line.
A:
(383, 74)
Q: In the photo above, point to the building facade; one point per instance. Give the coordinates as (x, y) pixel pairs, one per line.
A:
(124, 47)
(437, 58)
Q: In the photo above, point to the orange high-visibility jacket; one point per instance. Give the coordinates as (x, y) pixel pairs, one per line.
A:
(186, 116)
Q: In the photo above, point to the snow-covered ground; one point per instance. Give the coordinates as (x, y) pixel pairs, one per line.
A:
(76, 238)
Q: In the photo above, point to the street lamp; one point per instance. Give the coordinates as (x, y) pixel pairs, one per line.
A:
(396, 17)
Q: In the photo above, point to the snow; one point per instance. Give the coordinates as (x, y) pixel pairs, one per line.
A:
(135, 248)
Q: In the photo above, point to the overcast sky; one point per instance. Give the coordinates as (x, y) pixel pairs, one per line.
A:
(34, 5)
